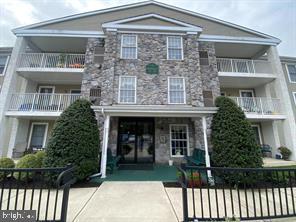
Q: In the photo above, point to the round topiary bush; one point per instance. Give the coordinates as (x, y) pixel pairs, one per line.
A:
(5, 162)
(27, 161)
(40, 155)
(75, 140)
(234, 143)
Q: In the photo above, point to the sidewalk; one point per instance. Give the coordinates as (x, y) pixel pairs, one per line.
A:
(121, 202)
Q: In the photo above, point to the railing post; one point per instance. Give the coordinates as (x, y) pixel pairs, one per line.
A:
(42, 61)
(254, 71)
(261, 105)
(60, 99)
(65, 65)
(33, 103)
(231, 63)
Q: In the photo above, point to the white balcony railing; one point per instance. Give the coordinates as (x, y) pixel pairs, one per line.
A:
(243, 66)
(42, 102)
(259, 105)
(51, 60)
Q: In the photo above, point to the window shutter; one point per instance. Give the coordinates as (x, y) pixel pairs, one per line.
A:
(208, 98)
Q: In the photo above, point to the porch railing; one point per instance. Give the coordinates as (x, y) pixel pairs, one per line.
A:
(40, 192)
(259, 105)
(51, 60)
(41, 102)
(214, 194)
(243, 65)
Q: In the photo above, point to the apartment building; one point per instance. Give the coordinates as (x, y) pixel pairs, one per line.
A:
(4, 60)
(152, 72)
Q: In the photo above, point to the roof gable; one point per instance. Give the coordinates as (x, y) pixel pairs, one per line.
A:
(92, 21)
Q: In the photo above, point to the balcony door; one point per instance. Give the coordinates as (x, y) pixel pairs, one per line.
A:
(38, 134)
(45, 97)
(248, 102)
(136, 140)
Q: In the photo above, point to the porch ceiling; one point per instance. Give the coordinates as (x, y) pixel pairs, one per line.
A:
(155, 110)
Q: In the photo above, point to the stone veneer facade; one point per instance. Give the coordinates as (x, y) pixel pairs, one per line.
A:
(152, 89)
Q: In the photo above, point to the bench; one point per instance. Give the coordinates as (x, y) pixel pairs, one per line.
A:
(197, 158)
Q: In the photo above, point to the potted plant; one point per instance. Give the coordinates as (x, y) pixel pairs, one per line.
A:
(171, 162)
(286, 153)
(194, 179)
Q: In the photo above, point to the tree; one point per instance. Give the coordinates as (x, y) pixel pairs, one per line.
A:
(233, 139)
(75, 139)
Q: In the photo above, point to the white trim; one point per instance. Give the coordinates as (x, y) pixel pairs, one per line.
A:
(5, 65)
(232, 39)
(294, 95)
(46, 87)
(265, 117)
(150, 32)
(182, 50)
(151, 15)
(259, 132)
(184, 92)
(288, 73)
(59, 33)
(81, 15)
(121, 44)
(45, 133)
(246, 90)
(119, 102)
(187, 139)
(151, 27)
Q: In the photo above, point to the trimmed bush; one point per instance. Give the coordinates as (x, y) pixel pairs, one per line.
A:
(75, 140)
(27, 161)
(5, 162)
(233, 139)
(286, 153)
(40, 155)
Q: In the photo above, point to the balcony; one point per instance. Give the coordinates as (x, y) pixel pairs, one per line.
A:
(39, 104)
(260, 107)
(244, 72)
(45, 67)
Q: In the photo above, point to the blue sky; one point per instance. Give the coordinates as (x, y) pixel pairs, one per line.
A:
(273, 17)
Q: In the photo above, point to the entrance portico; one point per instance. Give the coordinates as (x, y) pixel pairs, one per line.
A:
(177, 130)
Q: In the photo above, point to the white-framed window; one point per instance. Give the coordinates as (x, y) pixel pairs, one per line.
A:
(257, 132)
(127, 89)
(129, 47)
(294, 95)
(179, 140)
(38, 134)
(176, 90)
(4, 59)
(291, 69)
(174, 48)
(204, 58)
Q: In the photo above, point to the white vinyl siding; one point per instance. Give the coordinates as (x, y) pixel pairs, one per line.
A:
(127, 89)
(176, 90)
(174, 48)
(129, 47)
(179, 140)
(291, 68)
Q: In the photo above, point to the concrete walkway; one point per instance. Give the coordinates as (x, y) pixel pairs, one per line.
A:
(122, 202)
(271, 162)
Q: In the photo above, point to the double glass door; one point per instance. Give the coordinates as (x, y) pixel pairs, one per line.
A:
(136, 140)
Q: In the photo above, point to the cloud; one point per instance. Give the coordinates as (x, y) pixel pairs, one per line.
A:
(273, 17)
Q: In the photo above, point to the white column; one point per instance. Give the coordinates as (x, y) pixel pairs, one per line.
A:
(105, 146)
(9, 86)
(281, 91)
(13, 136)
(275, 130)
(207, 157)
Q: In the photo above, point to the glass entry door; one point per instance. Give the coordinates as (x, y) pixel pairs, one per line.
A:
(136, 140)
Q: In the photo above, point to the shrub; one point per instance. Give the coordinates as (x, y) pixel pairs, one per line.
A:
(234, 143)
(5, 162)
(75, 139)
(40, 155)
(286, 153)
(27, 161)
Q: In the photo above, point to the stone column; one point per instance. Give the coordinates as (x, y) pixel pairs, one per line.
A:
(281, 91)
(9, 86)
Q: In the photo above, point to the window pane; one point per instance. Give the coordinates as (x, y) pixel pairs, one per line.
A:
(176, 90)
(129, 52)
(179, 140)
(174, 45)
(129, 41)
(127, 89)
(292, 72)
(37, 137)
(3, 60)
